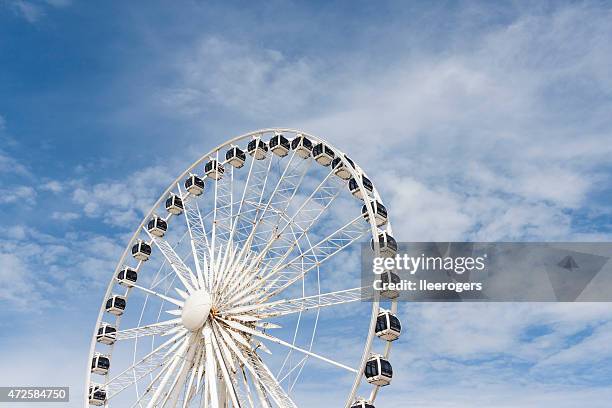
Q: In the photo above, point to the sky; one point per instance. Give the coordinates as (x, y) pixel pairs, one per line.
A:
(482, 121)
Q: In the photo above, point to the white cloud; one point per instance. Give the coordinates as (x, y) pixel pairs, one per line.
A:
(65, 216)
(122, 203)
(59, 3)
(252, 82)
(18, 195)
(16, 286)
(32, 11)
(29, 11)
(10, 165)
(36, 266)
(53, 186)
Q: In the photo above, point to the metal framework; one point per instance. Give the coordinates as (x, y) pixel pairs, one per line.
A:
(242, 264)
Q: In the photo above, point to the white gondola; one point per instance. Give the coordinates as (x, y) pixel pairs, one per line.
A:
(362, 403)
(378, 370)
(100, 364)
(174, 204)
(323, 154)
(214, 169)
(387, 244)
(141, 250)
(279, 145)
(127, 277)
(116, 305)
(97, 395)
(302, 146)
(388, 326)
(236, 157)
(356, 191)
(257, 148)
(380, 213)
(194, 185)
(342, 170)
(107, 334)
(157, 226)
(389, 291)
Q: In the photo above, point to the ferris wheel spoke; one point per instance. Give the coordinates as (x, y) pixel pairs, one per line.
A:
(176, 360)
(253, 193)
(211, 368)
(293, 369)
(261, 375)
(265, 378)
(175, 388)
(183, 272)
(223, 365)
(261, 392)
(157, 280)
(163, 297)
(150, 387)
(305, 218)
(294, 270)
(224, 202)
(149, 363)
(281, 243)
(279, 201)
(239, 326)
(247, 389)
(156, 329)
(200, 246)
(291, 306)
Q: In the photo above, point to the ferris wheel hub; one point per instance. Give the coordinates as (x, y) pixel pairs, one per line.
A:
(196, 310)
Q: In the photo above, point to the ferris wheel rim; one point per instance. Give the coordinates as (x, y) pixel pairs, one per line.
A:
(356, 173)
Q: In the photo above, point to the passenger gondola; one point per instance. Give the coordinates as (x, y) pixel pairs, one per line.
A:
(194, 185)
(378, 371)
(342, 170)
(302, 146)
(387, 244)
(356, 191)
(279, 145)
(107, 334)
(141, 250)
(236, 157)
(100, 364)
(157, 226)
(389, 291)
(214, 169)
(174, 204)
(116, 305)
(97, 395)
(127, 277)
(323, 154)
(380, 213)
(362, 403)
(388, 326)
(257, 148)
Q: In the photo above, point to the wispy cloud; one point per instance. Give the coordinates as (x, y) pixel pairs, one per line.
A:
(30, 11)
(18, 195)
(253, 82)
(34, 11)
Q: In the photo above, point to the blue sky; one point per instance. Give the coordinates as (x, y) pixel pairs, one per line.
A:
(476, 121)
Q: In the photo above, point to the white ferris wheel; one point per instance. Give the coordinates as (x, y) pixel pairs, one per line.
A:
(243, 282)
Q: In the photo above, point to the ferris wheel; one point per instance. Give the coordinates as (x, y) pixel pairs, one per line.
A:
(243, 283)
